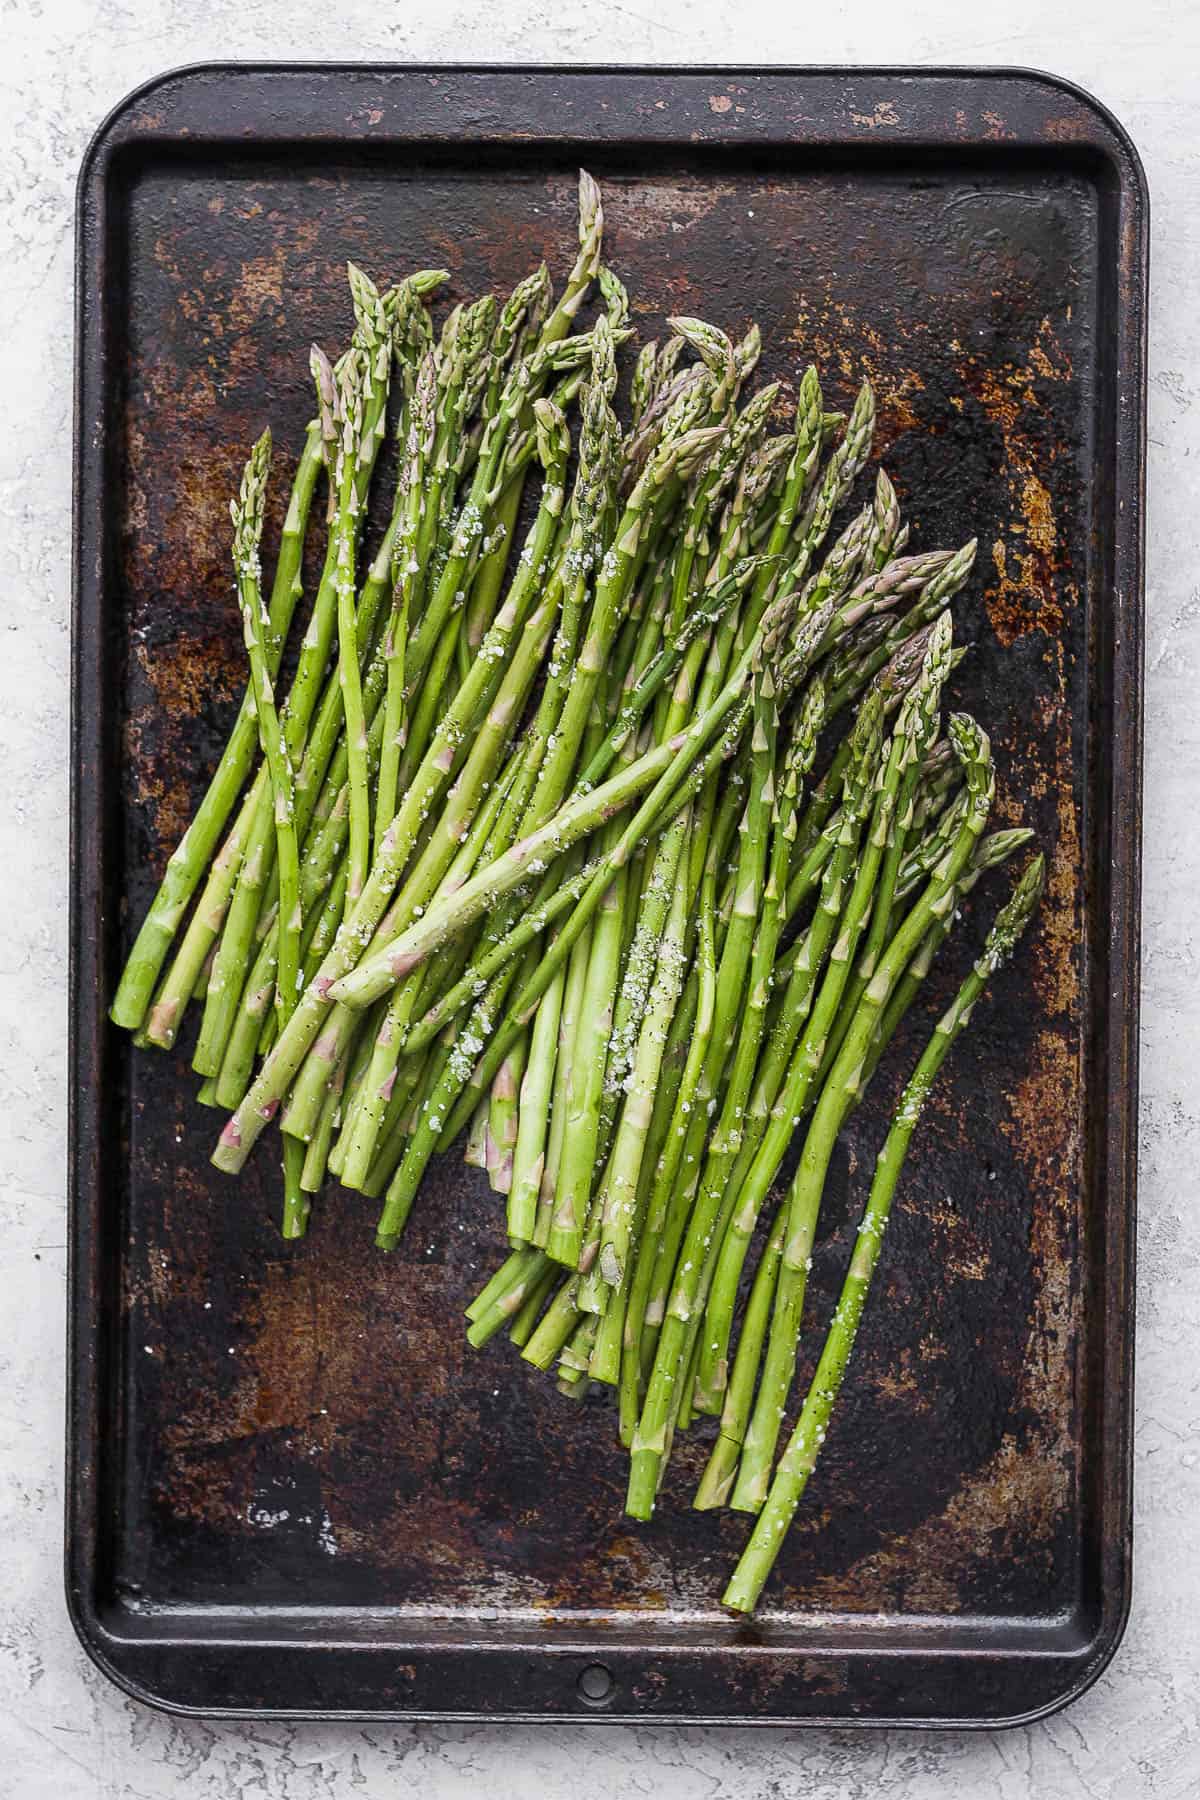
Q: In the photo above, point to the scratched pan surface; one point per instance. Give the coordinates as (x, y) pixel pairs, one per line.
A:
(294, 1489)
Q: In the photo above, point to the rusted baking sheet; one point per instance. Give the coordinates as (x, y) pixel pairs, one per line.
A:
(293, 1489)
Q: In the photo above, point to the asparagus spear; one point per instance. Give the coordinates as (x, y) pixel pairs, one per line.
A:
(405, 571)
(716, 1484)
(727, 1141)
(623, 1196)
(247, 515)
(675, 1340)
(660, 770)
(804, 1447)
(251, 844)
(190, 858)
(842, 1089)
(533, 1114)
(529, 632)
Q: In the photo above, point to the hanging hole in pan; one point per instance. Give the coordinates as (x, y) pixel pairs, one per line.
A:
(596, 1685)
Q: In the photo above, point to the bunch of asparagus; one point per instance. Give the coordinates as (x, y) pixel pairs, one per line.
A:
(627, 854)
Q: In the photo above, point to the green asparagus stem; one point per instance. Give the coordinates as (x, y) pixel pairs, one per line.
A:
(190, 858)
(505, 1309)
(623, 1182)
(405, 572)
(574, 978)
(533, 1115)
(316, 1152)
(502, 1120)
(728, 1140)
(842, 1089)
(800, 1457)
(475, 1154)
(554, 1328)
(716, 1484)
(512, 1270)
(370, 353)
(247, 515)
(993, 850)
(801, 469)
(674, 1343)
(526, 1319)
(349, 418)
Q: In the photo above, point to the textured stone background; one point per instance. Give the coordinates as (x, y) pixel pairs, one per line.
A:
(63, 1730)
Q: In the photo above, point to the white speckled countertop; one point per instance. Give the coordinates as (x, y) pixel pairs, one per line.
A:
(64, 1732)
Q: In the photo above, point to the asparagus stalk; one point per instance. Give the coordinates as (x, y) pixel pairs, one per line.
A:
(526, 1319)
(405, 572)
(804, 1446)
(727, 1142)
(674, 1343)
(554, 1328)
(573, 978)
(370, 354)
(247, 514)
(639, 1087)
(716, 1483)
(454, 823)
(354, 378)
(842, 1089)
(533, 1114)
(190, 859)
(502, 1122)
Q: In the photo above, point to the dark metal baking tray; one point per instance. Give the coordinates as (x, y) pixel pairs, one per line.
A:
(293, 1489)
